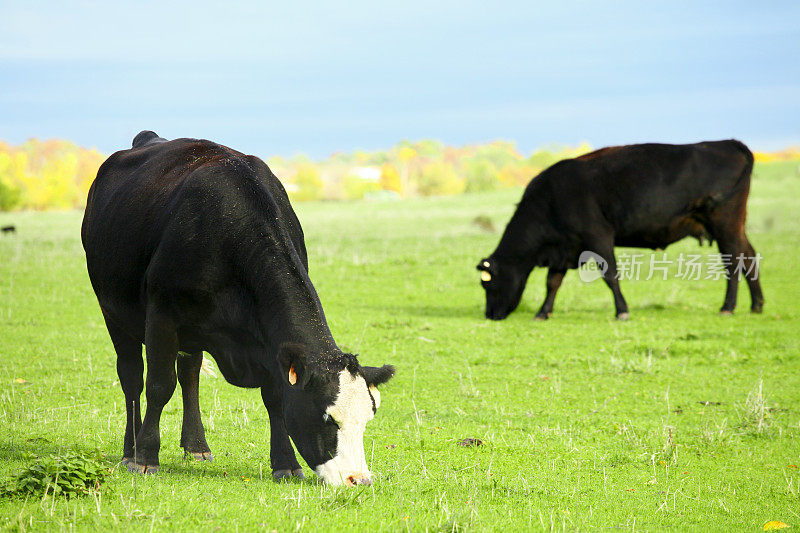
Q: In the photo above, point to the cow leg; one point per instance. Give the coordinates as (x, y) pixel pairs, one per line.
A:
(554, 278)
(726, 225)
(193, 435)
(281, 454)
(730, 245)
(741, 259)
(130, 368)
(604, 247)
(161, 344)
(751, 275)
(611, 278)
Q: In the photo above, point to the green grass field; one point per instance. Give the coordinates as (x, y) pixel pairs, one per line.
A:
(586, 422)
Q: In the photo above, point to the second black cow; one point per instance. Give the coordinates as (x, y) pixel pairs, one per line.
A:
(643, 196)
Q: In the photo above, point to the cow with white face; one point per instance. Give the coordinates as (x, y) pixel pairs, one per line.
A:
(193, 247)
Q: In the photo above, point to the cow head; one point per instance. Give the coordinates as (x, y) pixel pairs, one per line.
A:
(327, 406)
(504, 283)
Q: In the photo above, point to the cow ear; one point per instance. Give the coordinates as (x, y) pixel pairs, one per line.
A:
(375, 376)
(292, 362)
(484, 265)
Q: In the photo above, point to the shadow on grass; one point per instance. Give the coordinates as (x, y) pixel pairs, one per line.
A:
(40, 446)
(653, 307)
(438, 311)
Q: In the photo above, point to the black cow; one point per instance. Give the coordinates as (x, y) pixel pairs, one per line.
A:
(642, 195)
(193, 247)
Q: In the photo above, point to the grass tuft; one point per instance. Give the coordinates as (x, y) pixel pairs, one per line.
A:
(754, 413)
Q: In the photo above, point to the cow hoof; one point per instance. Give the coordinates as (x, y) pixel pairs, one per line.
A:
(281, 475)
(725, 312)
(623, 316)
(758, 310)
(199, 456)
(541, 318)
(287, 475)
(136, 468)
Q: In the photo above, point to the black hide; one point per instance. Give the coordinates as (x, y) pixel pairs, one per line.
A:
(193, 247)
(644, 195)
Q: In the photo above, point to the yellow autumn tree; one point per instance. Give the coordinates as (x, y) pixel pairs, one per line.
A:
(390, 179)
(438, 179)
(309, 185)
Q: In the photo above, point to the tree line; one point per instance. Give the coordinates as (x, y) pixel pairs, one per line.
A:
(56, 174)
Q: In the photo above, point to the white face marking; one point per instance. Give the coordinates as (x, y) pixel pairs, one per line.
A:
(486, 264)
(485, 276)
(351, 411)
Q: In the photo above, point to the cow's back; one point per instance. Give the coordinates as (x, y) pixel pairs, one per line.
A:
(179, 216)
(643, 187)
(645, 195)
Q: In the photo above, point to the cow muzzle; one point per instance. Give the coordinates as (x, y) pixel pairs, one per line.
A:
(493, 313)
(358, 479)
(339, 478)
(334, 473)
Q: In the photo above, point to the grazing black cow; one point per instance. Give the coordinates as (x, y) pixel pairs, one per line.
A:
(642, 195)
(8, 229)
(193, 247)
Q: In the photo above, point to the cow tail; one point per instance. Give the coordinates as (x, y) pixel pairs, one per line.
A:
(744, 177)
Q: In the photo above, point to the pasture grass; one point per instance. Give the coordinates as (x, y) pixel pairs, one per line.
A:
(677, 419)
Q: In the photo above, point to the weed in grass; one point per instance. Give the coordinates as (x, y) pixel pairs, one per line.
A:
(668, 453)
(67, 474)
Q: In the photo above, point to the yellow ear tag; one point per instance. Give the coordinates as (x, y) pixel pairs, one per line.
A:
(485, 276)
(292, 375)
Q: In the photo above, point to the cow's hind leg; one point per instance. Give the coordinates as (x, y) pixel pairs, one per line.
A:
(728, 248)
(605, 249)
(554, 278)
(130, 368)
(751, 273)
(193, 435)
(611, 277)
(726, 225)
(281, 455)
(161, 344)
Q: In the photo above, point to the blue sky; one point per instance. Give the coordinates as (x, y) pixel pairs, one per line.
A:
(313, 77)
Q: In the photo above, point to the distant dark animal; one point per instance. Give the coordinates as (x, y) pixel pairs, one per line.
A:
(193, 247)
(644, 196)
(8, 229)
(484, 223)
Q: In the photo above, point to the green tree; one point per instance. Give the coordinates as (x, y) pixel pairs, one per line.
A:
(480, 174)
(355, 187)
(9, 197)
